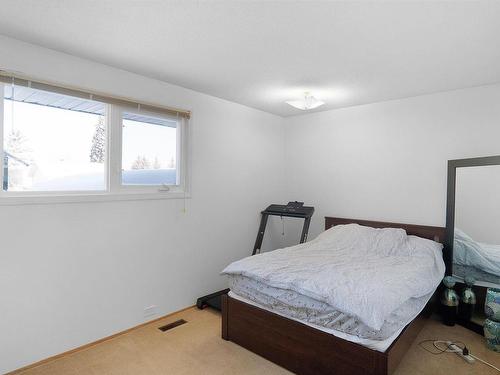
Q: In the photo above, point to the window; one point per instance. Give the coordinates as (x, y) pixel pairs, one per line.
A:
(149, 150)
(52, 142)
(62, 142)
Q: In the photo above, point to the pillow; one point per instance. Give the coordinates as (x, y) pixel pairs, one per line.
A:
(462, 236)
(464, 247)
(423, 246)
(384, 241)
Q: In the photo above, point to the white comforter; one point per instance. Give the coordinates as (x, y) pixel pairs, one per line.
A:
(483, 256)
(361, 271)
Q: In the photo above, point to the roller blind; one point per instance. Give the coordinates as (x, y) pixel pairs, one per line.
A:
(10, 78)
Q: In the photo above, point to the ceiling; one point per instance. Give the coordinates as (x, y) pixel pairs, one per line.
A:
(263, 53)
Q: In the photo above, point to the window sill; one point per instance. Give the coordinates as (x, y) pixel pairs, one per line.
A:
(88, 198)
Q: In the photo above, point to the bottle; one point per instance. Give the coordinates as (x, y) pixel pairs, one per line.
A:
(449, 302)
(467, 300)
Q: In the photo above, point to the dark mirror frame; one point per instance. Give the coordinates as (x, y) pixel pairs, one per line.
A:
(450, 214)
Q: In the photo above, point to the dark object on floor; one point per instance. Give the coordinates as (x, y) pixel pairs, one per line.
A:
(467, 300)
(449, 302)
(168, 326)
(292, 209)
(211, 300)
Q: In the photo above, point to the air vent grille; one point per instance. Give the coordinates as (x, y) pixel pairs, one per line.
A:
(169, 326)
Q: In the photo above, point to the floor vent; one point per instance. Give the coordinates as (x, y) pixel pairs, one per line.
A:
(172, 325)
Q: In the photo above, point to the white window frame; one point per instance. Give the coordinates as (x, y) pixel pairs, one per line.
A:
(116, 162)
(113, 188)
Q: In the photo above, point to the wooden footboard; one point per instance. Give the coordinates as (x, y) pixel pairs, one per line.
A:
(305, 350)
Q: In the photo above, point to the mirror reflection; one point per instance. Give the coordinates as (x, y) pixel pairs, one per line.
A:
(476, 249)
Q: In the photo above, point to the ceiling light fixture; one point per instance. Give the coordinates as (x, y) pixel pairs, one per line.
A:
(309, 102)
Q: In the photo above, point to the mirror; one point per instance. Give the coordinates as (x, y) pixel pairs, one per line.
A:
(473, 227)
(476, 243)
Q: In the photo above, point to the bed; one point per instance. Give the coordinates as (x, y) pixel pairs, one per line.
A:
(303, 348)
(476, 259)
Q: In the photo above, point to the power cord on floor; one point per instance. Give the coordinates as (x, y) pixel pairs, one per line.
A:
(486, 363)
(456, 347)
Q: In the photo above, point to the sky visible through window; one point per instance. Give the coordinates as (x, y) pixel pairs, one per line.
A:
(148, 146)
(55, 149)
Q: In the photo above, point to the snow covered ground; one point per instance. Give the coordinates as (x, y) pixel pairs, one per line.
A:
(95, 181)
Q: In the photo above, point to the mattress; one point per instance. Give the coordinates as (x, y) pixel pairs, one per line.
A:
(308, 310)
(377, 277)
(358, 283)
(378, 345)
(469, 253)
(461, 271)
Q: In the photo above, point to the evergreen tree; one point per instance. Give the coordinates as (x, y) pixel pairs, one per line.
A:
(97, 152)
(141, 162)
(156, 163)
(171, 164)
(16, 144)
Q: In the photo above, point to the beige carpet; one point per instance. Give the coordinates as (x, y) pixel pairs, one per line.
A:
(196, 348)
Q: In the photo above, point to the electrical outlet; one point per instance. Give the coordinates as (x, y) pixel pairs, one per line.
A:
(149, 311)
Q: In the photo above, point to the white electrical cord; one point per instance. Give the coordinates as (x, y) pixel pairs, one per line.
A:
(486, 363)
(453, 347)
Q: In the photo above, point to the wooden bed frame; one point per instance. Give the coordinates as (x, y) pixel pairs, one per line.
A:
(305, 350)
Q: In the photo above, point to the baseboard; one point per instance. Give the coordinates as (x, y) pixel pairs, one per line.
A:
(86, 346)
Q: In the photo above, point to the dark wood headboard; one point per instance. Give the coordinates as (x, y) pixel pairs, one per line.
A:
(424, 231)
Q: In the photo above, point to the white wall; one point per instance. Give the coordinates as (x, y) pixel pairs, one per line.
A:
(477, 202)
(388, 161)
(73, 273)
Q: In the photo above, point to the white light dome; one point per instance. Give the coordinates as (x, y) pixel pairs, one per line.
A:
(309, 102)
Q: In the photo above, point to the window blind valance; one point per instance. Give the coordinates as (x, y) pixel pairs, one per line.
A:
(9, 78)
